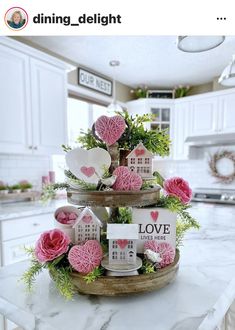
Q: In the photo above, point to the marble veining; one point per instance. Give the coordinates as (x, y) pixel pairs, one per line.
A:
(198, 299)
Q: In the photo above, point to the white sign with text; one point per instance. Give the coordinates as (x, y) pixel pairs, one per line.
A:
(156, 224)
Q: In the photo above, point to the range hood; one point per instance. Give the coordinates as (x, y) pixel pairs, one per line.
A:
(211, 140)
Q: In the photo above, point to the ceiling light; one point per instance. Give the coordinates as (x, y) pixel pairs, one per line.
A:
(197, 44)
(227, 77)
(114, 106)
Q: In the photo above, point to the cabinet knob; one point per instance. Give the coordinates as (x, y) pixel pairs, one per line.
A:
(35, 224)
(35, 148)
(30, 147)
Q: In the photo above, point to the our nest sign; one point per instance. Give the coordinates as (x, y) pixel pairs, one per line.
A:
(95, 82)
(156, 224)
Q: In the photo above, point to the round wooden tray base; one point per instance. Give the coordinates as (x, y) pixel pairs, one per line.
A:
(114, 198)
(120, 286)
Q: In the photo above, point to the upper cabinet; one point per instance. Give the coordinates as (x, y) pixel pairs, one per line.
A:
(15, 133)
(227, 113)
(33, 100)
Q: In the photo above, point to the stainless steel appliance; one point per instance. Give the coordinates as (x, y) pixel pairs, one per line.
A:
(223, 196)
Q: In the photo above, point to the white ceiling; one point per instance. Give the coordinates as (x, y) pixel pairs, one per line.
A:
(154, 61)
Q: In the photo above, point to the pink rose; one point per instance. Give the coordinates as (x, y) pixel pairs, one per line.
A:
(178, 187)
(51, 244)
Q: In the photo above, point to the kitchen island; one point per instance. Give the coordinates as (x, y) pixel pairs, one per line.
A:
(199, 298)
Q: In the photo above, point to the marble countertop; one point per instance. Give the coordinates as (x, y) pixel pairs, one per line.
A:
(198, 298)
(24, 209)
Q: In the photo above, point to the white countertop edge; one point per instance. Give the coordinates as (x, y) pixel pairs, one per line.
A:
(216, 314)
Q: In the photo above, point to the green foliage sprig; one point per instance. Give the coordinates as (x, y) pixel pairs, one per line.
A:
(59, 270)
(49, 190)
(124, 216)
(92, 276)
(147, 267)
(83, 185)
(156, 141)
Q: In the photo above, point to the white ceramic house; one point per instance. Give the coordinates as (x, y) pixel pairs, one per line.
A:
(140, 161)
(87, 226)
(122, 243)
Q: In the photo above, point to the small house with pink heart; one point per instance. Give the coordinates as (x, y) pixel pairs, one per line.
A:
(139, 160)
(122, 243)
(87, 227)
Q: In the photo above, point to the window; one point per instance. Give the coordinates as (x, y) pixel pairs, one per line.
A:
(114, 245)
(132, 160)
(114, 255)
(122, 255)
(147, 160)
(139, 160)
(130, 244)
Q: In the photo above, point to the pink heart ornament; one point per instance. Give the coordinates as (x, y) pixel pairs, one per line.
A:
(154, 215)
(87, 171)
(84, 258)
(110, 129)
(87, 218)
(126, 179)
(122, 243)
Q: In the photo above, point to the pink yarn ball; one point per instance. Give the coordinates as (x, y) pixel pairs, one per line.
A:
(110, 129)
(126, 179)
(167, 253)
(84, 258)
(66, 218)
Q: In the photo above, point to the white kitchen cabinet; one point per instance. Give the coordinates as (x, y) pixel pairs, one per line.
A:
(203, 116)
(33, 91)
(227, 113)
(49, 107)
(15, 133)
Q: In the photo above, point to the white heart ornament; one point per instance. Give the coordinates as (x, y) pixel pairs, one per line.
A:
(88, 165)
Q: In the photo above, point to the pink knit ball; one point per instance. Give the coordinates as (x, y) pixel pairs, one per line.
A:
(84, 258)
(167, 253)
(110, 129)
(126, 179)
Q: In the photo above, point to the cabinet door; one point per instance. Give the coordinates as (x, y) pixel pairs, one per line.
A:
(49, 100)
(13, 251)
(15, 132)
(227, 114)
(180, 130)
(204, 117)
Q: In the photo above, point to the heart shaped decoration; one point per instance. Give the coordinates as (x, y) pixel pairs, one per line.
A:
(139, 152)
(122, 243)
(84, 258)
(88, 171)
(126, 179)
(110, 129)
(87, 218)
(88, 165)
(154, 215)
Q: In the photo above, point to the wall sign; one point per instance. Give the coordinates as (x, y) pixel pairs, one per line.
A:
(95, 82)
(156, 224)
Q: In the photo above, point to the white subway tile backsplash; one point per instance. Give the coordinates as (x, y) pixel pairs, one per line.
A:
(14, 168)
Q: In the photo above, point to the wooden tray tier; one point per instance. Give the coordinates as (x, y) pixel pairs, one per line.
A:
(119, 286)
(114, 198)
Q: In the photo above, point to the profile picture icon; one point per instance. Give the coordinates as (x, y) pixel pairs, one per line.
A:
(16, 18)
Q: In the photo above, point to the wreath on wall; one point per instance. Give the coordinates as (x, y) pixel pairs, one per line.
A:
(213, 164)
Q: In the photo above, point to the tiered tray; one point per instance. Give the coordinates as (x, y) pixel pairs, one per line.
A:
(120, 286)
(114, 198)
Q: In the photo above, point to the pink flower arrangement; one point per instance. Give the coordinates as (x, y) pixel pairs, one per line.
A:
(51, 244)
(178, 187)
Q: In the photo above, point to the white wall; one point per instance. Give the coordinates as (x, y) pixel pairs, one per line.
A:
(14, 168)
(196, 172)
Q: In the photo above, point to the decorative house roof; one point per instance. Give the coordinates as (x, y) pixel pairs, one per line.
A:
(122, 231)
(140, 151)
(88, 215)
